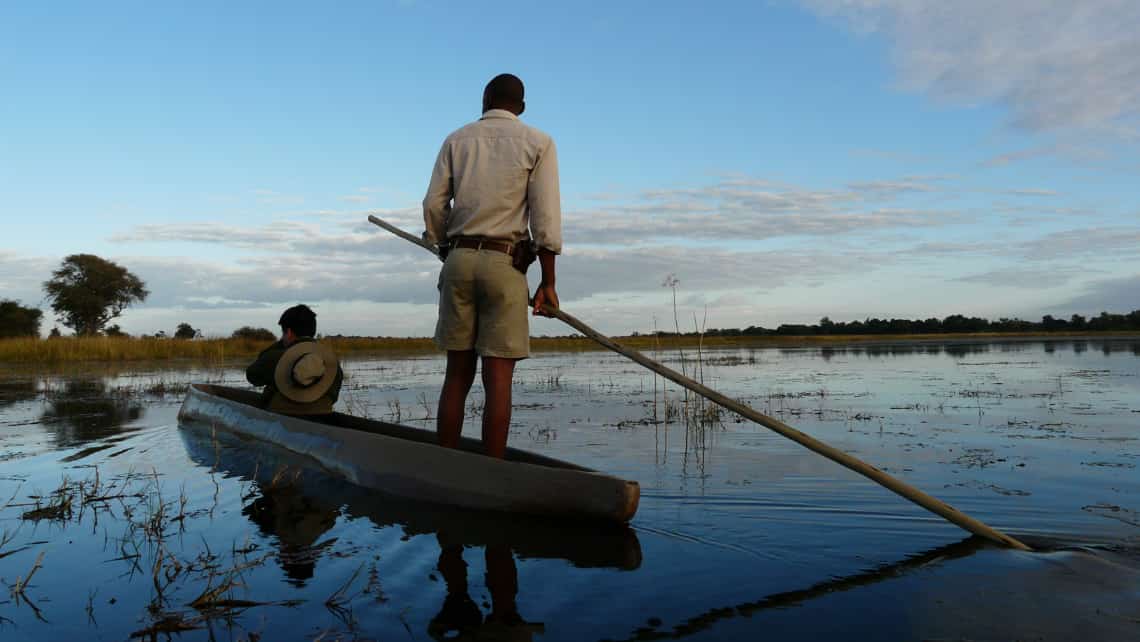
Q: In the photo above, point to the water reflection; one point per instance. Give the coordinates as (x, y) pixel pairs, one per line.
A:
(460, 618)
(965, 348)
(13, 392)
(82, 410)
(783, 600)
(298, 502)
(297, 521)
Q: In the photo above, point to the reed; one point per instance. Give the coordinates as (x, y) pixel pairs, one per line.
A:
(58, 350)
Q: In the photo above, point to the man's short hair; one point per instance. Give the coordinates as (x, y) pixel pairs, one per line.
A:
(504, 89)
(300, 319)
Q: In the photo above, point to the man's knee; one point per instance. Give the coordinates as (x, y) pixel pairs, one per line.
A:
(461, 366)
(498, 370)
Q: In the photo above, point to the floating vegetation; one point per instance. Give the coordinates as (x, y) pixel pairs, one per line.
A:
(1112, 511)
(146, 516)
(977, 458)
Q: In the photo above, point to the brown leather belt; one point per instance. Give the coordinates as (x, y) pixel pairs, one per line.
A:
(505, 247)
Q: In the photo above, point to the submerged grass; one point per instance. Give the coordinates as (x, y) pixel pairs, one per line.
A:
(144, 530)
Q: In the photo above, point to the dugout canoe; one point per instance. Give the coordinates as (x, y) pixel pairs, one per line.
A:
(297, 500)
(406, 462)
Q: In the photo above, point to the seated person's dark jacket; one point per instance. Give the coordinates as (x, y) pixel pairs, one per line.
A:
(261, 372)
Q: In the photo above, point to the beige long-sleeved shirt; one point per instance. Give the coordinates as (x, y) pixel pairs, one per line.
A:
(494, 178)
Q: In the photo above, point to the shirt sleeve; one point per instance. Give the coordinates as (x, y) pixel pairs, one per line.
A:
(334, 391)
(544, 202)
(262, 370)
(437, 202)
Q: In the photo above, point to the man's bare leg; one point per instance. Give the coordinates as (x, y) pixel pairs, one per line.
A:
(497, 374)
(452, 398)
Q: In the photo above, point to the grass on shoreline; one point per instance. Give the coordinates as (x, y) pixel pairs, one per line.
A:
(32, 351)
(120, 349)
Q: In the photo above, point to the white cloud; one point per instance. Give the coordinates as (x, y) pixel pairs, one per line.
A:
(22, 276)
(755, 209)
(1055, 64)
(753, 250)
(1030, 192)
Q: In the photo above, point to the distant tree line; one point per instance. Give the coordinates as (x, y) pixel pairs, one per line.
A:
(953, 324)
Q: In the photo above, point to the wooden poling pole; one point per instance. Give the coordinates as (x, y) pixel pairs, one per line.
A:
(402, 234)
(891, 483)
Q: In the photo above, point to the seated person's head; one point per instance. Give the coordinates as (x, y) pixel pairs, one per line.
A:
(297, 322)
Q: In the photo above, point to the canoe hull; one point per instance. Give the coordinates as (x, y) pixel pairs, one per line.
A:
(406, 462)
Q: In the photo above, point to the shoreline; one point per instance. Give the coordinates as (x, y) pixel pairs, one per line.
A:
(64, 351)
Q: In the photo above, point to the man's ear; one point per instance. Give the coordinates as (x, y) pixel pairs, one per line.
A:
(522, 108)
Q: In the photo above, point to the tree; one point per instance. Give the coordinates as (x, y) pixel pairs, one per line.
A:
(87, 291)
(114, 331)
(826, 326)
(185, 331)
(17, 320)
(254, 334)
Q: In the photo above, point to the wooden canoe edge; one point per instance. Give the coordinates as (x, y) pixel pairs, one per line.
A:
(632, 500)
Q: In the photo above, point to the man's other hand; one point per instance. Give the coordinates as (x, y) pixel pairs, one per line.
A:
(545, 294)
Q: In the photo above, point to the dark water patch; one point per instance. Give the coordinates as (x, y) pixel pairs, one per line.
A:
(80, 411)
(13, 392)
(86, 452)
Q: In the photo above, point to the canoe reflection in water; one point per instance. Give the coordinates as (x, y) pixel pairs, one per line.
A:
(299, 502)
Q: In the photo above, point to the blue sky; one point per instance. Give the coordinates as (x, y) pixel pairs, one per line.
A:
(784, 160)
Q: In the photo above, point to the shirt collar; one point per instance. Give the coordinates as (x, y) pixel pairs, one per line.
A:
(498, 113)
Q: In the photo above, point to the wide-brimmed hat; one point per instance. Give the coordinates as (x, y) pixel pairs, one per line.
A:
(306, 371)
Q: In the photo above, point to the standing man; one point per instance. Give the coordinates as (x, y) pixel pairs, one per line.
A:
(494, 188)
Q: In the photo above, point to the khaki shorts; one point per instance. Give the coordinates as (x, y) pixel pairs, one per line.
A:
(483, 305)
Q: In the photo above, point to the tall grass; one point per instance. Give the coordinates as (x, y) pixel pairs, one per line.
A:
(119, 349)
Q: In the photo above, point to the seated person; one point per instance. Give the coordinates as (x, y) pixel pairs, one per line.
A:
(301, 376)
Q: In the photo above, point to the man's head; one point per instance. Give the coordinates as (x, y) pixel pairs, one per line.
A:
(296, 322)
(505, 91)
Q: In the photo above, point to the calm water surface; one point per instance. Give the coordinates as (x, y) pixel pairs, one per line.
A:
(161, 531)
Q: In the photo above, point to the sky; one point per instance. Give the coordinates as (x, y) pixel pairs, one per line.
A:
(779, 161)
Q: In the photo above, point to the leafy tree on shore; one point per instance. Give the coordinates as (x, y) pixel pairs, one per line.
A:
(19, 321)
(254, 334)
(88, 291)
(114, 331)
(186, 331)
